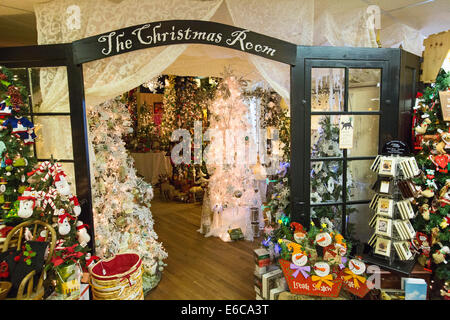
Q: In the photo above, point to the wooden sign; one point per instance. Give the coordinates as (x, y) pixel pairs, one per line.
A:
(163, 33)
(444, 98)
(352, 284)
(299, 284)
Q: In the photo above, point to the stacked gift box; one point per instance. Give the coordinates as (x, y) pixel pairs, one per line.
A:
(269, 279)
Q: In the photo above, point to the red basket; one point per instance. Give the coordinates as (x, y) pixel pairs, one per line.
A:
(118, 278)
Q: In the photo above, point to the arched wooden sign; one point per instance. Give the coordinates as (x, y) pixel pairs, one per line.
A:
(162, 33)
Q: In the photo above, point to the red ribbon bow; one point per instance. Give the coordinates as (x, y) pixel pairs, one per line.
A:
(62, 216)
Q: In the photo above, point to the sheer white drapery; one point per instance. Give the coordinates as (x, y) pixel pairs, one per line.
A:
(307, 22)
(107, 78)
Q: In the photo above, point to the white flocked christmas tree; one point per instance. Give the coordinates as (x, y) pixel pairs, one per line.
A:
(121, 200)
(230, 155)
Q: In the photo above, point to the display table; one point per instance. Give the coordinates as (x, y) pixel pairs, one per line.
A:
(151, 165)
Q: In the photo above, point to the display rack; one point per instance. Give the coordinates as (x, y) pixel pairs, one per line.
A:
(392, 211)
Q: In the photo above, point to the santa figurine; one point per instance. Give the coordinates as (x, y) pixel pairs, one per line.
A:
(61, 184)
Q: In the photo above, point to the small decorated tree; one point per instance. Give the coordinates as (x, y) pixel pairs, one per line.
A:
(16, 137)
(49, 198)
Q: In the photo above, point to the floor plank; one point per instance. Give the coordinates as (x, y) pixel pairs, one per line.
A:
(199, 268)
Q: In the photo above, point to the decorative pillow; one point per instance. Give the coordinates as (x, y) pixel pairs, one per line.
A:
(20, 263)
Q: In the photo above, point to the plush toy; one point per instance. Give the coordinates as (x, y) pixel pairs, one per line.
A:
(444, 194)
(427, 193)
(422, 128)
(82, 234)
(425, 211)
(439, 255)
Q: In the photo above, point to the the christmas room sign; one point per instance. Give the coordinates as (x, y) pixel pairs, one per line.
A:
(164, 33)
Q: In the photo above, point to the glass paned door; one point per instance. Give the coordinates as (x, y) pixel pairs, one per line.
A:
(344, 111)
(51, 117)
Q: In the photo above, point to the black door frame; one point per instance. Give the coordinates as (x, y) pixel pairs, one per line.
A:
(335, 57)
(73, 55)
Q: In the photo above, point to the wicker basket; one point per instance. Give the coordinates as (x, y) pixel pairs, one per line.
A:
(5, 286)
(118, 278)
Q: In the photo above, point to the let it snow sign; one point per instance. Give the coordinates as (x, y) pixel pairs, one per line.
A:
(164, 33)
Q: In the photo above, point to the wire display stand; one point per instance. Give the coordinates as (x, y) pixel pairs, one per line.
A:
(393, 232)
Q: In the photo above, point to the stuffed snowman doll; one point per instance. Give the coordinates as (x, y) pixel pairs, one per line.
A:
(61, 184)
(82, 234)
(27, 202)
(63, 222)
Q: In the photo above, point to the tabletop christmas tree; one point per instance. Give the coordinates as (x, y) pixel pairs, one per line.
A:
(433, 133)
(121, 200)
(16, 137)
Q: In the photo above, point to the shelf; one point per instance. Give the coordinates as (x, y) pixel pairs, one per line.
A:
(404, 267)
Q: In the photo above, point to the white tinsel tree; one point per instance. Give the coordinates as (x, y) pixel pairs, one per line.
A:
(326, 176)
(121, 200)
(232, 187)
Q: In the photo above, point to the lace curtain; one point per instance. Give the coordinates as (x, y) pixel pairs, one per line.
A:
(307, 22)
(107, 78)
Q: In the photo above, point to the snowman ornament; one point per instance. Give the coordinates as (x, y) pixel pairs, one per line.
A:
(322, 269)
(323, 239)
(82, 234)
(299, 259)
(63, 222)
(357, 266)
(26, 204)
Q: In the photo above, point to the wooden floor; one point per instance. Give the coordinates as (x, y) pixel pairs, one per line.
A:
(199, 268)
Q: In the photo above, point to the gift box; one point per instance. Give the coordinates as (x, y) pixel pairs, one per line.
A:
(275, 293)
(415, 289)
(269, 281)
(236, 234)
(262, 257)
(300, 282)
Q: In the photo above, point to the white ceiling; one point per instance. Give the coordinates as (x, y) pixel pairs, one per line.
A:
(18, 23)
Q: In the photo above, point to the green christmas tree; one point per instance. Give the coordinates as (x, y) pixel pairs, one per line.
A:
(434, 160)
(16, 138)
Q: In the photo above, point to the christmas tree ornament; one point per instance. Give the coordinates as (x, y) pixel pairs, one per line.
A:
(82, 234)
(27, 202)
(61, 184)
(64, 226)
(76, 205)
